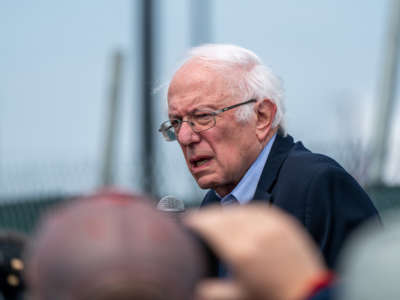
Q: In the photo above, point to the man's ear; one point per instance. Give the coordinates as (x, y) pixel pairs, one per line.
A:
(265, 112)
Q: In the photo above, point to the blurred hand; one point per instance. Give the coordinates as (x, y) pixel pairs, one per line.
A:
(270, 255)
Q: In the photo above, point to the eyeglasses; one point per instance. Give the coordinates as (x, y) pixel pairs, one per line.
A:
(199, 121)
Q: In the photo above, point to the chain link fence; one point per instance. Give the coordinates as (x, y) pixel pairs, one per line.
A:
(27, 190)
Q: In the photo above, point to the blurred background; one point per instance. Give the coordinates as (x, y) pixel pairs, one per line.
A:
(82, 91)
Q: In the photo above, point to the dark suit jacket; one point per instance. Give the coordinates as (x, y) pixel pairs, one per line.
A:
(316, 190)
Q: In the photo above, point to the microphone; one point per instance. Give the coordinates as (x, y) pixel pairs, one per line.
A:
(171, 204)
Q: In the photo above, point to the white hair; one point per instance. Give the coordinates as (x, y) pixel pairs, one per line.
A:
(247, 75)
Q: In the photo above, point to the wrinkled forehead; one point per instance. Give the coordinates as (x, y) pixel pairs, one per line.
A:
(198, 82)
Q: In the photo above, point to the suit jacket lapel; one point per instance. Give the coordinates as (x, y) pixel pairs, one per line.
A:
(276, 157)
(279, 152)
(210, 198)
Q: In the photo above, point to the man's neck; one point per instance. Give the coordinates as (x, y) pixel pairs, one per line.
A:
(224, 190)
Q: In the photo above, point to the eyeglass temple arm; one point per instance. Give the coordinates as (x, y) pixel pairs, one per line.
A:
(238, 104)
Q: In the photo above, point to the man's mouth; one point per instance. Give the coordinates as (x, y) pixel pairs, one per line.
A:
(199, 162)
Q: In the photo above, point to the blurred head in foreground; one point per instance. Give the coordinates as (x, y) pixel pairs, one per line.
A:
(370, 266)
(12, 245)
(112, 246)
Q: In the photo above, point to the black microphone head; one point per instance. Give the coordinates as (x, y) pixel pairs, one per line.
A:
(171, 204)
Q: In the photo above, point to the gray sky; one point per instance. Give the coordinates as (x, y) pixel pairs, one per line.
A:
(55, 71)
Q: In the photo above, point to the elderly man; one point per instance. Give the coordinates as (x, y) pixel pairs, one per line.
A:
(226, 112)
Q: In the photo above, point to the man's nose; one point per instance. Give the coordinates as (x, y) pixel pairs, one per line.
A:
(186, 135)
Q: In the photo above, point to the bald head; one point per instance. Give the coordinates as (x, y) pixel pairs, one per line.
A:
(214, 83)
(112, 247)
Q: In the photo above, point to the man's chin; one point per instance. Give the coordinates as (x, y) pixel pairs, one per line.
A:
(206, 183)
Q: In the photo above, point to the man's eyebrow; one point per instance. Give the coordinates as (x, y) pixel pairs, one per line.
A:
(210, 106)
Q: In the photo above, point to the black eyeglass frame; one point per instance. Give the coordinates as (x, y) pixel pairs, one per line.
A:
(164, 127)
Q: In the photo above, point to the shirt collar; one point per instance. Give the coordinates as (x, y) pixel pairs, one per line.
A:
(247, 186)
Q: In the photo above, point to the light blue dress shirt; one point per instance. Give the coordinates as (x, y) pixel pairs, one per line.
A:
(247, 186)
